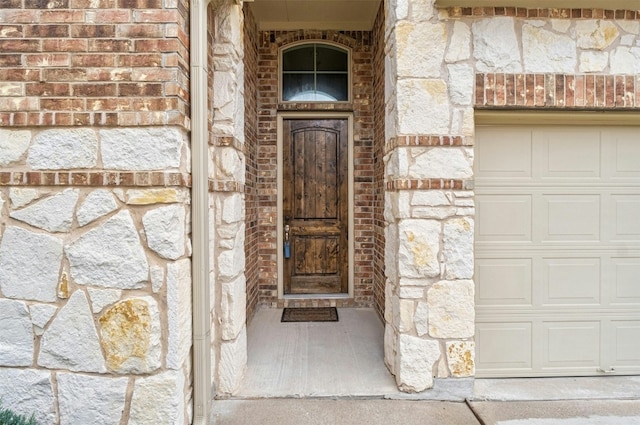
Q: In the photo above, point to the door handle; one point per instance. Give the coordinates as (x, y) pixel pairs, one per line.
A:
(287, 244)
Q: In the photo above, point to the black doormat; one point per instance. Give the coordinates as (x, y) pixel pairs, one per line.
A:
(310, 314)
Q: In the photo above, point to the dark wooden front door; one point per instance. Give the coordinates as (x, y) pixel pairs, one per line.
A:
(315, 206)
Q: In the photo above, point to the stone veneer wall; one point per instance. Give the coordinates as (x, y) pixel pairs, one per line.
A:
(227, 173)
(379, 280)
(441, 64)
(95, 274)
(251, 147)
(362, 106)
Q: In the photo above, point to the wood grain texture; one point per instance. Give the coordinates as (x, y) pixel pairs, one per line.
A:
(315, 205)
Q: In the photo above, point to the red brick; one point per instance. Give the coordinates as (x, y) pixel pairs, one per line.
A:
(47, 59)
(102, 74)
(140, 60)
(610, 91)
(110, 45)
(153, 74)
(590, 91)
(93, 60)
(10, 60)
(140, 89)
(63, 118)
(19, 104)
(140, 31)
(115, 16)
(18, 16)
(146, 46)
(17, 74)
(62, 104)
(600, 91)
(46, 30)
(93, 31)
(46, 4)
(559, 90)
(48, 89)
(140, 4)
(156, 16)
(94, 90)
(67, 45)
(62, 16)
(11, 31)
(22, 46)
(93, 4)
(109, 104)
(10, 4)
(65, 74)
(570, 91)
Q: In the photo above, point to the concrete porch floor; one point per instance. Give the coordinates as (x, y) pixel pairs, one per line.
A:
(316, 359)
(346, 359)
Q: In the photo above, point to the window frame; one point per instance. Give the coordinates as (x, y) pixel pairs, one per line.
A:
(344, 48)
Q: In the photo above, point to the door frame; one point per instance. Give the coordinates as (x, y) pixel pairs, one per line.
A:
(281, 116)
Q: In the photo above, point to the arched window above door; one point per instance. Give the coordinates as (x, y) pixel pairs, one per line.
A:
(315, 72)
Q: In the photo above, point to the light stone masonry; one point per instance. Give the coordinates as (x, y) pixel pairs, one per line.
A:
(28, 392)
(13, 145)
(105, 396)
(110, 256)
(71, 341)
(20, 276)
(16, 334)
(179, 312)
(130, 336)
(165, 231)
(141, 148)
(61, 149)
(158, 400)
(97, 204)
(21, 196)
(53, 214)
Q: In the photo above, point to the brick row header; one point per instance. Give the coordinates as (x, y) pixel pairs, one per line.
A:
(226, 186)
(428, 184)
(562, 13)
(95, 178)
(580, 91)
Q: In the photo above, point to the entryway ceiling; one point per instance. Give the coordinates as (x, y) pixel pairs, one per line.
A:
(315, 14)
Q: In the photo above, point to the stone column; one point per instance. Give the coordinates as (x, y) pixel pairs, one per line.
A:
(226, 185)
(429, 209)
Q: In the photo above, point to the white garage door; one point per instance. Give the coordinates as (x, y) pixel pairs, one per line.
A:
(557, 250)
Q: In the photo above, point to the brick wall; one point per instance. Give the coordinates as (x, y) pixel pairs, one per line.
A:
(250, 148)
(378, 156)
(362, 107)
(101, 63)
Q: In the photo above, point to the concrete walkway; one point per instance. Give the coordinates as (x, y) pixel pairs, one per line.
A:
(403, 412)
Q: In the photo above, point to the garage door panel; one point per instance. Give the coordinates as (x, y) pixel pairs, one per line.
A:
(627, 216)
(504, 346)
(626, 280)
(504, 281)
(625, 152)
(556, 154)
(571, 345)
(504, 218)
(626, 343)
(570, 217)
(571, 281)
(504, 153)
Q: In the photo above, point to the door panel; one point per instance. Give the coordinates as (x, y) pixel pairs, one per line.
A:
(315, 206)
